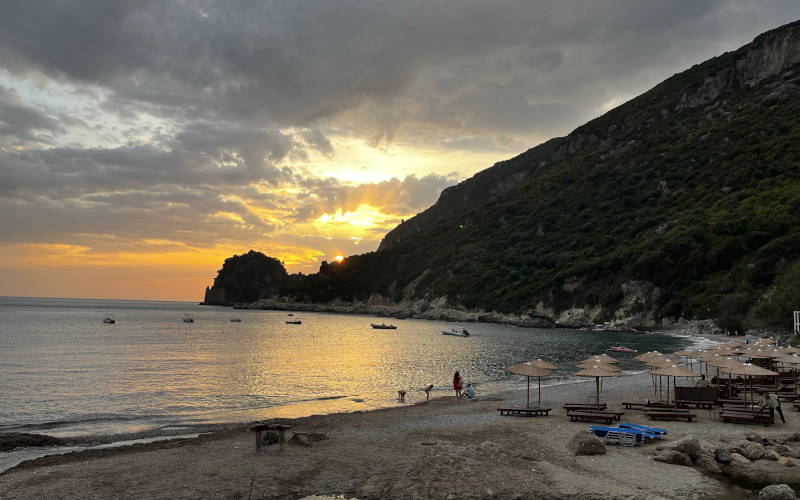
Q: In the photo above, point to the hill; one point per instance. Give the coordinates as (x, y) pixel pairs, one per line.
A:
(682, 203)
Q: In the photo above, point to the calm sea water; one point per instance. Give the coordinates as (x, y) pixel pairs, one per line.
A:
(66, 373)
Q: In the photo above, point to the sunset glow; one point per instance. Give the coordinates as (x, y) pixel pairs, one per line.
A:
(298, 130)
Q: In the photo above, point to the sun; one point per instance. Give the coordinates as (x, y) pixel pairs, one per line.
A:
(339, 258)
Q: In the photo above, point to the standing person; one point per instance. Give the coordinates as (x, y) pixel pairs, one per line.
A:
(774, 404)
(428, 391)
(457, 384)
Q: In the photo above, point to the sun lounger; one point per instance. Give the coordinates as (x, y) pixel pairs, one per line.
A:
(654, 431)
(666, 414)
(626, 437)
(524, 412)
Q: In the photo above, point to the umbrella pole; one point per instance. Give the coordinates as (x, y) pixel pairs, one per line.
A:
(528, 403)
(597, 381)
(540, 391)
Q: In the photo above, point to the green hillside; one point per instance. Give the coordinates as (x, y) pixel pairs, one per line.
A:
(683, 202)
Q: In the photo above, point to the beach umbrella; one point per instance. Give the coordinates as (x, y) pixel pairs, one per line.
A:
(748, 370)
(721, 361)
(530, 370)
(794, 361)
(687, 354)
(673, 371)
(644, 357)
(604, 358)
(605, 366)
(598, 372)
(543, 364)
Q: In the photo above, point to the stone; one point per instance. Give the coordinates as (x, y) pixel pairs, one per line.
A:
(739, 458)
(300, 440)
(777, 492)
(761, 473)
(786, 462)
(673, 457)
(690, 446)
(751, 450)
(11, 440)
(707, 462)
(723, 456)
(771, 455)
(586, 443)
(782, 449)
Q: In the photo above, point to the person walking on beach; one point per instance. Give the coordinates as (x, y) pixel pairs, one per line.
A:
(457, 384)
(428, 391)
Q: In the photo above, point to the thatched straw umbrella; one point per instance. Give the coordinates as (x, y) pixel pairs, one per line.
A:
(604, 358)
(720, 362)
(543, 364)
(747, 369)
(689, 355)
(673, 371)
(598, 372)
(530, 370)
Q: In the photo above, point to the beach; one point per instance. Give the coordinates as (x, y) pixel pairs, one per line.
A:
(442, 448)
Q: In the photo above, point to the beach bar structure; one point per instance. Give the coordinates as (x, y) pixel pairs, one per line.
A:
(797, 322)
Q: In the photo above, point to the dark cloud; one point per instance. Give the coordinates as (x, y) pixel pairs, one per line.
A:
(229, 93)
(22, 122)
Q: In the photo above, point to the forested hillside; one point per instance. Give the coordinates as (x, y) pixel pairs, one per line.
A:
(683, 202)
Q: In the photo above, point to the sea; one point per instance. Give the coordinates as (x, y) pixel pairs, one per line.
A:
(150, 375)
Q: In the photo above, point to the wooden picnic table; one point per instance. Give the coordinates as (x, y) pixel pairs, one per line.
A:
(684, 403)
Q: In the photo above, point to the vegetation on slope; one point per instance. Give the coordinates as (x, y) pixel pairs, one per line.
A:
(692, 188)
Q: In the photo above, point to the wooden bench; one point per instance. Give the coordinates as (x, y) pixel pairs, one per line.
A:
(664, 414)
(745, 417)
(634, 406)
(584, 406)
(524, 412)
(278, 431)
(594, 416)
(706, 405)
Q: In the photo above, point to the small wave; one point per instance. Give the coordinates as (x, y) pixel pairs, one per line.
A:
(55, 424)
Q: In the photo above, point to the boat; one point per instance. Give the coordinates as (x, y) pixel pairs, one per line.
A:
(290, 314)
(109, 320)
(619, 348)
(188, 319)
(383, 326)
(294, 322)
(236, 320)
(456, 331)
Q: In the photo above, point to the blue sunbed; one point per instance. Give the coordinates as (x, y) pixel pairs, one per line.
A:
(627, 437)
(653, 430)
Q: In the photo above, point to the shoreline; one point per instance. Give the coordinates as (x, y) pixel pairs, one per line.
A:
(411, 451)
(90, 443)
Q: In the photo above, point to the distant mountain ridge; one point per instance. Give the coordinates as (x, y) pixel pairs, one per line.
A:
(684, 202)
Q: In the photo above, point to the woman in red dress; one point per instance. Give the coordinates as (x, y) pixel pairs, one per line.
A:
(457, 384)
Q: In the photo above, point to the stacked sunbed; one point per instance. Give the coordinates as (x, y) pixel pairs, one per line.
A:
(628, 434)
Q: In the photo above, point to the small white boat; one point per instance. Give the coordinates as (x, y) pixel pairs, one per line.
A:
(456, 331)
(383, 326)
(109, 320)
(188, 319)
(294, 322)
(236, 320)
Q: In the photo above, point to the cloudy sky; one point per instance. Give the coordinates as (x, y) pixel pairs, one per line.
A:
(143, 142)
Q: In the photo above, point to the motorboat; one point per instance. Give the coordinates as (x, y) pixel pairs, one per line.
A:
(383, 326)
(188, 319)
(294, 322)
(109, 320)
(619, 348)
(456, 331)
(236, 320)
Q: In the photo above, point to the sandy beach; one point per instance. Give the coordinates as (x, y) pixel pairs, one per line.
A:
(442, 448)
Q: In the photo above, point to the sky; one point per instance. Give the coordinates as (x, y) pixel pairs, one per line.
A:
(144, 142)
